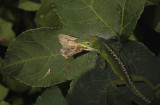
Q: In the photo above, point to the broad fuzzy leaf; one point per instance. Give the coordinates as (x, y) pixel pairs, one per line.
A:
(35, 59)
(103, 18)
(93, 88)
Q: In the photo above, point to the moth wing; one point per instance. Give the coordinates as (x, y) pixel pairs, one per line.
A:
(66, 36)
(70, 47)
(67, 51)
(67, 40)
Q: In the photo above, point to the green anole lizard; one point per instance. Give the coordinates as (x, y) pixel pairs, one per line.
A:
(72, 45)
(117, 63)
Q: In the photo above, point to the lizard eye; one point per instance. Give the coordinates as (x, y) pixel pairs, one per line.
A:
(87, 43)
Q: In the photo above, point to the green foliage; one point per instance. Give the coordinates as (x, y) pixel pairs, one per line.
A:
(4, 103)
(51, 96)
(37, 60)
(153, 17)
(14, 85)
(3, 91)
(46, 16)
(152, 2)
(33, 58)
(28, 5)
(91, 87)
(6, 32)
(85, 17)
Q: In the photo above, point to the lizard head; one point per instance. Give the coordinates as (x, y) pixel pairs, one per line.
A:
(89, 42)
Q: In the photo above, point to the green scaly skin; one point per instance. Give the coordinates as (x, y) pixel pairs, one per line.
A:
(117, 63)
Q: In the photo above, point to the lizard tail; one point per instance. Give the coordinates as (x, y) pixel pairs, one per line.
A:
(138, 93)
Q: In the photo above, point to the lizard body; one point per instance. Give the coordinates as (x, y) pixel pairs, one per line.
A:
(115, 60)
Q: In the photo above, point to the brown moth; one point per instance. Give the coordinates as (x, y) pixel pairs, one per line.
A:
(70, 47)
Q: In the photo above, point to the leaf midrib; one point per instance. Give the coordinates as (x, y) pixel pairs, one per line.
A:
(26, 60)
(91, 7)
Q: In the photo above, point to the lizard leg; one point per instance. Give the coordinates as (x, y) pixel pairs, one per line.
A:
(103, 65)
(144, 79)
(137, 78)
(118, 82)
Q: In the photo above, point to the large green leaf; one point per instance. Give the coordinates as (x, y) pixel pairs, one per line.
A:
(91, 88)
(46, 16)
(51, 96)
(103, 18)
(35, 59)
(34, 56)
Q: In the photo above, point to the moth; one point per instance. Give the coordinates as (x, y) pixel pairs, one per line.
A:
(69, 46)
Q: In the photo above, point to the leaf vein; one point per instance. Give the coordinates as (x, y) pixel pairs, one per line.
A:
(31, 59)
(24, 50)
(71, 8)
(101, 19)
(43, 45)
(82, 21)
(123, 9)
